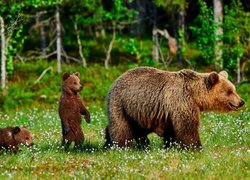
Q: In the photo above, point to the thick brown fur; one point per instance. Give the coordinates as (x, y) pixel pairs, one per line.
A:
(145, 100)
(10, 137)
(71, 108)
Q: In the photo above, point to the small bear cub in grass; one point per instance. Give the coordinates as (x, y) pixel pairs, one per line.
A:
(71, 108)
(10, 137)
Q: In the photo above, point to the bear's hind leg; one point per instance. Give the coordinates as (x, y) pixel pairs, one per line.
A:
(169, 136)
(79, 140)
(108, 142)
(121, 133)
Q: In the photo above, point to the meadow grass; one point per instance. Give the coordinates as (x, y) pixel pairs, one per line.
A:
(225, 154)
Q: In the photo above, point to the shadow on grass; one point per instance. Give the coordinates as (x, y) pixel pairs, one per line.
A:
(90, 147)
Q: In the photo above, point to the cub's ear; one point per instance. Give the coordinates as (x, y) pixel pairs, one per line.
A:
(224, 74)
(16, 130)
(211, 80)
(77, 74)
(65, 76)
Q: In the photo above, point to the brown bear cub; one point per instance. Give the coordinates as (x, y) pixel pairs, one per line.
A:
(145, 100)
(71, 108)
(10, 137)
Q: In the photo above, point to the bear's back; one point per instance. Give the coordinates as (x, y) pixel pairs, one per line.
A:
(6, 136)
(142, 80)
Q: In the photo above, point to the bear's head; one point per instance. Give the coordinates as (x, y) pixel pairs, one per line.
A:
(71, 83)
(222, 95)
(22, 136)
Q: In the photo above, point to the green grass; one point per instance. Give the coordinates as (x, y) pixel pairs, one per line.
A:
(225, 138)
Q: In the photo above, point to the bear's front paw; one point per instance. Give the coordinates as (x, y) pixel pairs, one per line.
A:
(65, 131)
(87, 117)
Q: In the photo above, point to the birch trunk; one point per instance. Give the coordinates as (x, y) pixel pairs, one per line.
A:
(80, 46)
(106, 63)
(156, 47)
(218, 19)
(155, 52)
(181, 33)
(3, 55)
(58, 40)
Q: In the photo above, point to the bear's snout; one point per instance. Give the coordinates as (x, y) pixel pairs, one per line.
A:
(29, 144)
(241, 103)
(235, 107)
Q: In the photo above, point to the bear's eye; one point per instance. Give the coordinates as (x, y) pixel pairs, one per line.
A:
(229, 92)
(27, 138)
(75, 82)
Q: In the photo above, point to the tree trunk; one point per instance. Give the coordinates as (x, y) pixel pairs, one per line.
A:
(39, 19)
(43, 37)
(218, 19)
(3, 54)
(155, 52)
(80, 46)
(58, 40)
(140, 7)
(106, 63)
(181, 33)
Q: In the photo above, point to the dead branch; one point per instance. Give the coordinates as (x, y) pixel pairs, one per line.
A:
(47, 55)
(43, 73)
(80, 46)
(172, 43)
(109, 50)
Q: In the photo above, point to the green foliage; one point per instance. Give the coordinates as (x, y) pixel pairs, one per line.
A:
(181, 39)
(43, 3)
(203, 31)
(232, 47)
(87, 13)
(244, 91)
(22, 92)
(119, 13)
(171, 5)
(15, 44)
(13, 31)
(139, 49)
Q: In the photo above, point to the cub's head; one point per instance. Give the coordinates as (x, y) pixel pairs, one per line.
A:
(71, 83)
(222, 93)
(22, 136)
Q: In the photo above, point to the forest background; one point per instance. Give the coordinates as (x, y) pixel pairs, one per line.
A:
(41, 39)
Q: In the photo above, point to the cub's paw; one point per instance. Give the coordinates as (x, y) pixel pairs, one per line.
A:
(87, 117)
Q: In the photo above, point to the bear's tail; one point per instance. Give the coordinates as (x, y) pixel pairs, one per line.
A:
(108, 142)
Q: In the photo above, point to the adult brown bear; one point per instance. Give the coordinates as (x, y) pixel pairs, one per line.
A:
(145, 100)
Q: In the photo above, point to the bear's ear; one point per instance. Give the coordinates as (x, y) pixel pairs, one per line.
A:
(16, 130)
(211, 80)
(65, 76)
(224, 74)
(77, 74)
